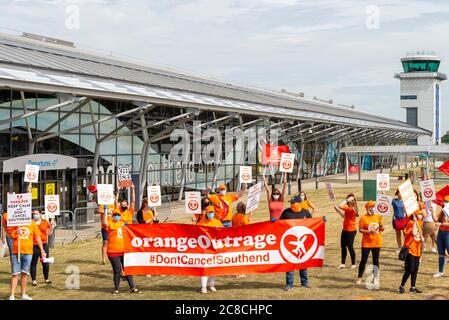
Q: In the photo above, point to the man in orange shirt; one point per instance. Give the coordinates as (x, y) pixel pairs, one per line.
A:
(413, 242)
(28, 234)
(126, 210)
(46, 230)
(240, 218)
(223, 203)
(371, 227)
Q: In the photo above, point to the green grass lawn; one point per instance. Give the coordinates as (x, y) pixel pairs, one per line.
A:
(327, 282)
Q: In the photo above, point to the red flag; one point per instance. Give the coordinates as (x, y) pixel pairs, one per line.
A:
(444, 168)
(440, 195)
(271, 154)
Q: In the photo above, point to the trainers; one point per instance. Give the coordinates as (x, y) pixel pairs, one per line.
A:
(34, 283)
(415, 290)
(135, 290)
(353, 266)
(115, 292)
(26, 297)
(438, 275)
(342, 266)
(47, 281)
(434, 250)
(12, 298)
(359, 281)
(203, 290)
(401, 289)
(398, 250)
(288, 288)
(308, 286)
(213, 289)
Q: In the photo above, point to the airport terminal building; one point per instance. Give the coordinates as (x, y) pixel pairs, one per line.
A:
(80, 114)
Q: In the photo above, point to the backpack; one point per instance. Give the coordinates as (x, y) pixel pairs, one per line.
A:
(399, 218)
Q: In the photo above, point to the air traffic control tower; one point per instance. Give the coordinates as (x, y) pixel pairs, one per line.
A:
(421, 93)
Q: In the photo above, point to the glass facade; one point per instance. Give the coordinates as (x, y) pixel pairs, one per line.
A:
(421, 65)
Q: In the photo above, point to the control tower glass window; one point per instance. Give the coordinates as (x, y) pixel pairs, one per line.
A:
(421, 65)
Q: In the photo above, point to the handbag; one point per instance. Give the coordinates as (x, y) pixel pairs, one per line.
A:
(403, 253)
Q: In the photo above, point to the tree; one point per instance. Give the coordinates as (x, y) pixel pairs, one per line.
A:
(445, 138)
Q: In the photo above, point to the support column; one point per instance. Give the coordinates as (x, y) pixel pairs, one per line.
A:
(346, 168)
(360, 167)
(381, 163)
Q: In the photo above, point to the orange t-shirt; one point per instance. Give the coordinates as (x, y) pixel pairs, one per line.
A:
(148, 216)
(115, 240)
(413, 244)
(43, 227)
(240, 219)
(368, 222)
(210, 223)
(27, 237)
(350, 219)
(219, 207)
(9, 230)
(305, 205)
(127, 215)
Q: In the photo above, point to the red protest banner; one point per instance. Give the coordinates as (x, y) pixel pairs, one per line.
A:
(440, 195)
(271, 154)
(190, 250)
(444, 168)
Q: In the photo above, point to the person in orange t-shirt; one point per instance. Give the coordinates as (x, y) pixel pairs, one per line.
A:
(46, 230)
(371, 226)
(241, 218)
(27, 234)
(413, 242)
(126, 210)
(349, 211)
(223, 203)
(209, 221)
(114, 226)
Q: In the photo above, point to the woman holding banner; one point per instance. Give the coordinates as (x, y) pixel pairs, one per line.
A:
(371, 227)
(116, 250)
(209, 221)
(349, 211)
(275, 198)
(442, 218)
(413, 242)
(46, 230)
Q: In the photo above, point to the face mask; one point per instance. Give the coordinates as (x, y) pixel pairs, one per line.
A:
(276, 196)
(124, 208)
(116, 217)
(302, 198)
(296, 207)
(210, 215)
(419, 216)
(222, 192)
(36, 217)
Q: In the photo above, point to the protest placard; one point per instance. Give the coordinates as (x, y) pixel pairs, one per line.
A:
(408, 197)
(427, 190)
(52, 207)
(154, 196)
(253, 197)
(124, 175)
(193, 202)
(287, 160)
(383, 182)
(330, 192)
(382, 205)
(246, 175)
(31, 173)
(105, 194)
(19, 209)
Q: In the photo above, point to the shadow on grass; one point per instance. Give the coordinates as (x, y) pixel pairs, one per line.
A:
(221, 287)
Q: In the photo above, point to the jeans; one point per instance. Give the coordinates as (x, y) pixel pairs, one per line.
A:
(443, 245)
(303, 275)
(347, 242)
(227, 224)
(22, 266)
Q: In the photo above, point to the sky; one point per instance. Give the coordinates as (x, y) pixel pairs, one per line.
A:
(347, 51)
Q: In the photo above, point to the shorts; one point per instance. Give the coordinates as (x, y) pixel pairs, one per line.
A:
(104, 234)
(21, 267)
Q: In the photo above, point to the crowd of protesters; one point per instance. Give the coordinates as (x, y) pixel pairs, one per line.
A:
(411, 232)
